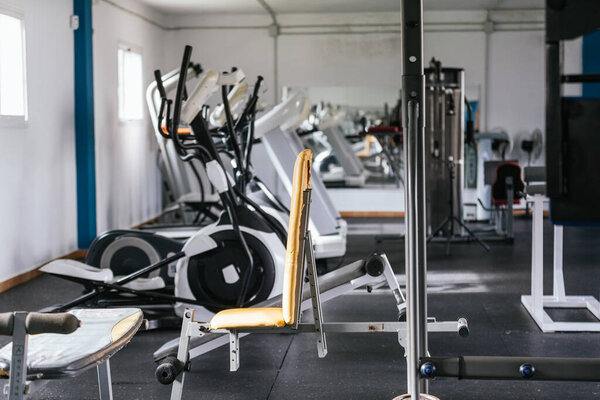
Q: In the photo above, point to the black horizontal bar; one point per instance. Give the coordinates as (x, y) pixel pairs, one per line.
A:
(580, 78)
(487, 367)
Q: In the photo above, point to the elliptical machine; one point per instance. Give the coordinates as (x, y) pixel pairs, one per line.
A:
(233, 262)
(245, 229)
(125, 251)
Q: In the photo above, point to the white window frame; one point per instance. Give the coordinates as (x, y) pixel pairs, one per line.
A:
(18, 120)
(136, 49)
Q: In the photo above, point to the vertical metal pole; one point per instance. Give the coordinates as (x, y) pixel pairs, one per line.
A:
(413, 93)
(489, 30)
(558, 291)
(537, 258)
(554, 165)
(18, 364)
(84, 125)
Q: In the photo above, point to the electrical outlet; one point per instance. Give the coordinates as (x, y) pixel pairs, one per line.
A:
(74, 22)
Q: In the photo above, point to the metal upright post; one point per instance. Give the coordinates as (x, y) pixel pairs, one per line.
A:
(413, 93)
(18, 367)
(537, 258)
(558, 279)
(315, 295)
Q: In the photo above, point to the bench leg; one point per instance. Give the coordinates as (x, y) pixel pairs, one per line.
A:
(182, 354)
(315, 296)
(392, 282)
(104, 381)
(234, 351)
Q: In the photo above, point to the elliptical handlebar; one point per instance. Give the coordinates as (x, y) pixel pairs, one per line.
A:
(187, 55)
(159, 84)
(249, 140)
(199, 124)
(163, 102)
(193, 113)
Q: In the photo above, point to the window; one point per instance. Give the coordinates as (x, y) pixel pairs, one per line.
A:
(131, 92)
(12, 66)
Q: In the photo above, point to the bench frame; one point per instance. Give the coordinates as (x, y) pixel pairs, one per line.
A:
(191, 328)
(19, 388)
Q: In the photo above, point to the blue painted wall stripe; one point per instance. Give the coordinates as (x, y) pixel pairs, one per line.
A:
(84, 125)
(591, 63)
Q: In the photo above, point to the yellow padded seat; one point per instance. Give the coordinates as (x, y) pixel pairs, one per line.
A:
(279, 317)
(248, 318)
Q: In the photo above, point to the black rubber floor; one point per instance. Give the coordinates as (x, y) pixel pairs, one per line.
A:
(483, 287)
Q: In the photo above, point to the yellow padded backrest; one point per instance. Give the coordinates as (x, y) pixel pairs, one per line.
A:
(294, 250)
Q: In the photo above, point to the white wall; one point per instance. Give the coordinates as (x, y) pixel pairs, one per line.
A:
(37, 160)
(127, 176)
(250, 49)
(324, 50)
(517, 84)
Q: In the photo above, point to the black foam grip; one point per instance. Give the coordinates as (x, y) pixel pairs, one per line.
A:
(62, 323)
(6, 323)
(374, 264)
(168, 370)
(159, 84)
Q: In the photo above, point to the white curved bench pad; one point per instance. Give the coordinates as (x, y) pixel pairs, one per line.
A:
(97, 338)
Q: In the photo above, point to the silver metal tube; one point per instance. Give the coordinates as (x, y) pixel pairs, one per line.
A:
(413, 94)
(18, 367)
(104, 381)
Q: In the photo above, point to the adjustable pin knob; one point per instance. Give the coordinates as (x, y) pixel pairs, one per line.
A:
(526, 370)
(428, 370)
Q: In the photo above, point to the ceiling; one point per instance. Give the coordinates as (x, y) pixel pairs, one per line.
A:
(324, 6)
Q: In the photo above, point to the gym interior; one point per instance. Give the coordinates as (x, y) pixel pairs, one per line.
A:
(275, 199)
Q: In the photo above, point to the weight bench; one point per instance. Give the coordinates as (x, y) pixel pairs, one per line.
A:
(300, 261)
(371, 273)
(61, 345)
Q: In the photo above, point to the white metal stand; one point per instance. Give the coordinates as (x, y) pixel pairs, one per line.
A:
(537, 302)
